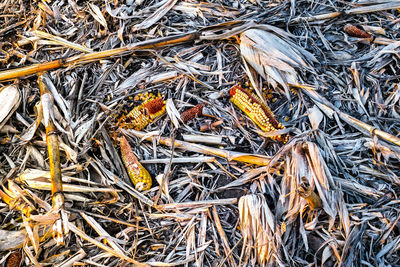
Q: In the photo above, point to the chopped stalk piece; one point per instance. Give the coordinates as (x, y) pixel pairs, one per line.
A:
(307, 192)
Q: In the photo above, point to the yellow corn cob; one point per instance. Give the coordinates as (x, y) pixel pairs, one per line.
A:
(257, 111)
(140, 177)
(145, 113)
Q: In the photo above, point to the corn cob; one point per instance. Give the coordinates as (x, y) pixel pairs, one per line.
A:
(139, 176)
(356, 32)
(14, 260)
(145, 113)
(259, 113)
(192, 113)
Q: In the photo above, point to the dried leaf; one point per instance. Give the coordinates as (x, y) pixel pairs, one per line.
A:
(156, 16)
(97, 15)
(173, 113)
(315, 116)
(10, 97)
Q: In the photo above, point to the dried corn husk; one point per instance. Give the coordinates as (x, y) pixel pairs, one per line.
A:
(257, 224)
(308, 183)
(10, 97)
(15, 198)
(307, 164)
(274, 57)
(173, 113)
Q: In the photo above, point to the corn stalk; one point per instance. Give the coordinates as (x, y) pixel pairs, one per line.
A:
(226, 154)
(53, 148)
(95, 56)
(128, 49)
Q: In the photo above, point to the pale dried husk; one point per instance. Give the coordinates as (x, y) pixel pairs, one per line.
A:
(257, 224)
(10, 97)
(275, 58)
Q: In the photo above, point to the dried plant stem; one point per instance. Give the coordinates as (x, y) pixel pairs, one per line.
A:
(86, 58)
(6, 198)
(222, 235)
(62, 41)
(54, 161)
(353, 11)
(102, 232)
(331, 15)
(73, 259)
(229, 155)
(53, 149)
(373, 8)
(383, 41)
(178, 160)
(197, 204)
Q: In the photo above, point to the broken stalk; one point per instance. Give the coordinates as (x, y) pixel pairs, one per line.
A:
(53, 149)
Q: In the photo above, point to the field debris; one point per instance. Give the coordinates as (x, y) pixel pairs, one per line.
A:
(189, 133)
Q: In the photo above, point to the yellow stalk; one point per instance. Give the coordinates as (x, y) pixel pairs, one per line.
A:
(53, 149)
